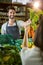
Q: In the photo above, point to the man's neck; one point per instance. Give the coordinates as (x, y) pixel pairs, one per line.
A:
(11, 22)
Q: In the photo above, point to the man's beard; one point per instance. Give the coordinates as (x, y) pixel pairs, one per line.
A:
(11, 17)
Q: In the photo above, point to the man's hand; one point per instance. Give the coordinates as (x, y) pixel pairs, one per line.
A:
(27, 23)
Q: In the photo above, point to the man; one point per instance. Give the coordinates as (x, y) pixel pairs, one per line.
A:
(12, 26)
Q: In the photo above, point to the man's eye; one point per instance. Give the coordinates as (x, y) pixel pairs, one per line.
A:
(10, 12)
(13, 13)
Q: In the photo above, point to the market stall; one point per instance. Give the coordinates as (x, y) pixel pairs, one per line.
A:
(8, 48)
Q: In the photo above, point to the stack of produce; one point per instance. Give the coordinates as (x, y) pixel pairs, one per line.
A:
(9, 53)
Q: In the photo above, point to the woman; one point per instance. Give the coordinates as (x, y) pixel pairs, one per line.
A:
(33, 56)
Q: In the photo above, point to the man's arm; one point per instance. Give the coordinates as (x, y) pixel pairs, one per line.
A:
(3, 29)
(24, 24)
(27, 23)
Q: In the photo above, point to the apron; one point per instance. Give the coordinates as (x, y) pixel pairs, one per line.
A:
(13, 31)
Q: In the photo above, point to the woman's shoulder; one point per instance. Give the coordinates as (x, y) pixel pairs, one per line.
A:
(35, 51)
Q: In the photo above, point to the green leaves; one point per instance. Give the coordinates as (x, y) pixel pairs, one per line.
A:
(9, 52)
(34, 17)
(10, 56)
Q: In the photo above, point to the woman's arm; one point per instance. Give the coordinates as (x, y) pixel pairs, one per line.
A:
(25, 40)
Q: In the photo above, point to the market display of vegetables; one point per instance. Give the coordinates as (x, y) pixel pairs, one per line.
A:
(9, 55)
(6, 40)
(9, 50)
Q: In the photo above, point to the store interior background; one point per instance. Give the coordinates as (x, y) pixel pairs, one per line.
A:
(7, 44)
(21, 7)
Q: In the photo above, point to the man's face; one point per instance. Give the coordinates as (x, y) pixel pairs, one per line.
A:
(11, 13)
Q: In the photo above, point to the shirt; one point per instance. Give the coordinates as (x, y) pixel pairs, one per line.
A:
(19, 24)
(31, 56)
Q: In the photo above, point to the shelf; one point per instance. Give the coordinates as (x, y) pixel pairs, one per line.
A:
(5, 5)
(20, 10)
(18, 14)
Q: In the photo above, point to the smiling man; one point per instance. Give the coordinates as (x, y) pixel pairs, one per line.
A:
(12, 26)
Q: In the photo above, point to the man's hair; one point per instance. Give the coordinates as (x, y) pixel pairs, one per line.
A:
(10, 7)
